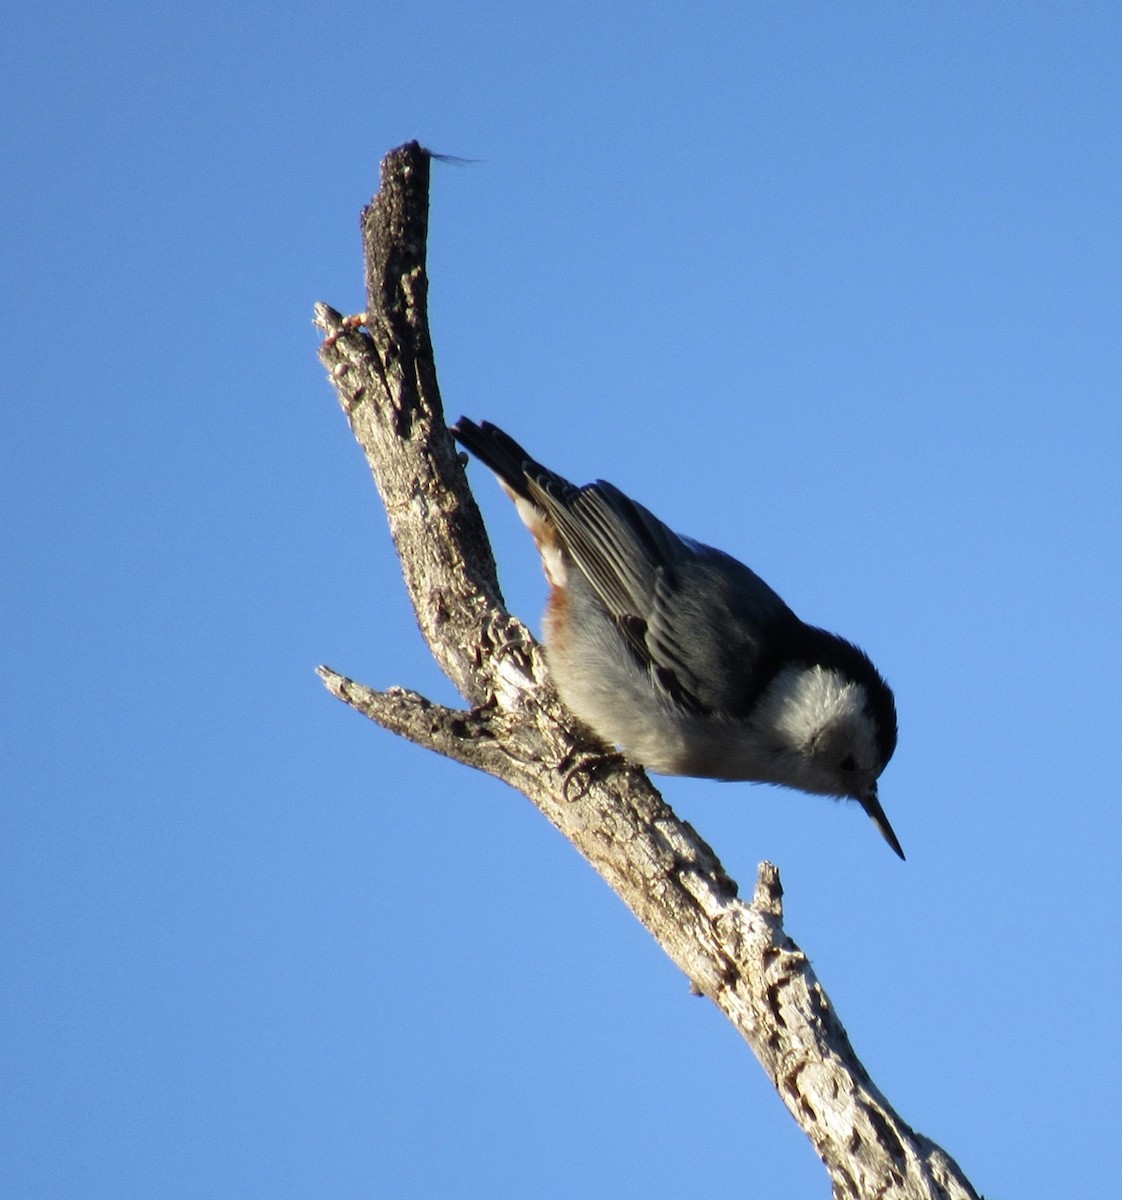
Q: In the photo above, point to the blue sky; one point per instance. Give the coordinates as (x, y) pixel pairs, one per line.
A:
(835, 288)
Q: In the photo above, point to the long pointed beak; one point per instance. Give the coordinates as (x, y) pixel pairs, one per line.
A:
(871, 805)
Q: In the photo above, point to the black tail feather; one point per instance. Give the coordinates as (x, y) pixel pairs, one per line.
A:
(498, 451)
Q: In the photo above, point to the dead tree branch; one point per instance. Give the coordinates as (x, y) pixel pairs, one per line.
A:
(736, 953)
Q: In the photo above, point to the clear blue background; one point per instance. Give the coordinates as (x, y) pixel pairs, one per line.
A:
(835, 288)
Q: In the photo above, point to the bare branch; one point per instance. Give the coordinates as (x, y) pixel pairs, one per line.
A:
(735, 953)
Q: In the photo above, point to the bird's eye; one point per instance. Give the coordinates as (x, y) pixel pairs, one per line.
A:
(848, 763)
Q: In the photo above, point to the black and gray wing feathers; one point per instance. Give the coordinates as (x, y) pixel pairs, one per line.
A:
(694, 617)
(679, 605)
(614, 550)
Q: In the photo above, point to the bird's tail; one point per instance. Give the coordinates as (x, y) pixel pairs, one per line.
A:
(500, 452)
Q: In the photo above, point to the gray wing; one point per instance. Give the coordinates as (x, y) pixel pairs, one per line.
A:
(694, 617)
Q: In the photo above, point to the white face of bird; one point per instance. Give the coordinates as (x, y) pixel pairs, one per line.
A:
(822, 731)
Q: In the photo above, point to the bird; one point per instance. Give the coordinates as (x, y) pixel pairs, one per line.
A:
(683, 657)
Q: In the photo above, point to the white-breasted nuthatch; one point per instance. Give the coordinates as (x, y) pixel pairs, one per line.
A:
(685, 658)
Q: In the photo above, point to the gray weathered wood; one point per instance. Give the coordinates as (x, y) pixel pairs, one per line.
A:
(734, 952)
